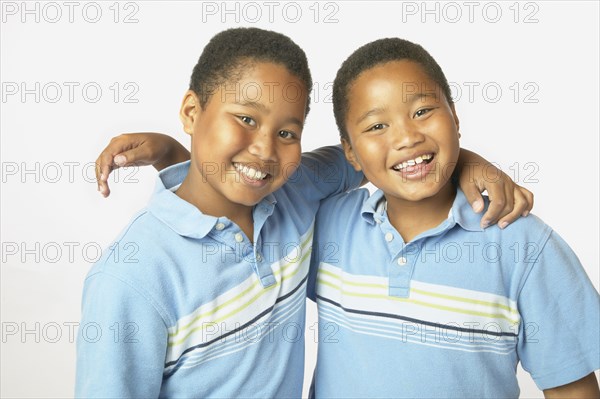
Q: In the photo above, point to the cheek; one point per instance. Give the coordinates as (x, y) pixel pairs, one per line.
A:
(290, 156)
(451, 136)
(444, 131)
(224, 135)
(370, 151)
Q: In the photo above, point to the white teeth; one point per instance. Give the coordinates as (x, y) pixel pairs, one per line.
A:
(250, 173)
(412, 162)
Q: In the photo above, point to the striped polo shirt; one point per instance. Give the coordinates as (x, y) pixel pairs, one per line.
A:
(449, 314)
(183, 305)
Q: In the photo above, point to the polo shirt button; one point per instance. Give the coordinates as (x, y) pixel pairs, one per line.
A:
(239, 237)
(401, 261)
(259, 257)
(389, 237)
(220, 226)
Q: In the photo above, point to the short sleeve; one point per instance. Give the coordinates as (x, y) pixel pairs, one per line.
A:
(560, 310)
(121, 344)
(325, 172)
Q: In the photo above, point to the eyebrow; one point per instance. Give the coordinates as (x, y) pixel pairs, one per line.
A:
(412, 97)
(263, 108)
(371, 112)
(253, 104)
(419, 96)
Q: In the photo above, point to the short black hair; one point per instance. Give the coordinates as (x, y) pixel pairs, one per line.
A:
(373, 54)
(229, 52)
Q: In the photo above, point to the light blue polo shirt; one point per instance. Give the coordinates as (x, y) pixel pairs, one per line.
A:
(449, 314)
(183, 305)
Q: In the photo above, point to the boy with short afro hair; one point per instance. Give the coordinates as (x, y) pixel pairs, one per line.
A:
(197, 295)
(422, 300)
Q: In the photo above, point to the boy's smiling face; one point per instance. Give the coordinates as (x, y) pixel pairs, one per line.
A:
(403, 132)
(246, 140)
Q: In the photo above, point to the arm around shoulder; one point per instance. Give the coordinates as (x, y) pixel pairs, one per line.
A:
(138, 149)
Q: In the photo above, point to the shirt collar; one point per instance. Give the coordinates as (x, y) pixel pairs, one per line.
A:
(181, 216)
(461, 213)
(374, 209)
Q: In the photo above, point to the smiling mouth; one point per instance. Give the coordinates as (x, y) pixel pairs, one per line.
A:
(425, 158)
(250, 173)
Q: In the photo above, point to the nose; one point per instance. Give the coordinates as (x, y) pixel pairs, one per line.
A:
(406, 135)
(263, 146)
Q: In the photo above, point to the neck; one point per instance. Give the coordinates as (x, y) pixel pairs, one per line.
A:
(411, 218)
(200, 194)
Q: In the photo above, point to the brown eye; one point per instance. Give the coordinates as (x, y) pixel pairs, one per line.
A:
(377, 126)
(422, 112)
(286, 134)
(247, 120)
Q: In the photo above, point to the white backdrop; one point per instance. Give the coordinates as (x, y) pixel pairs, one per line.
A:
(74, 74)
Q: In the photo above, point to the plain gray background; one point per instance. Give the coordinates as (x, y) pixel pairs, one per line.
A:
(525, 77)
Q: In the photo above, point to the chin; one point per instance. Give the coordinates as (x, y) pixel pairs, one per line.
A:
(248, 201)
(422, 193)
(416, 197)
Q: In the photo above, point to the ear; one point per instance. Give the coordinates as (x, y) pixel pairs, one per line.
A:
(190, 110)
(350, 155)
(456, 121)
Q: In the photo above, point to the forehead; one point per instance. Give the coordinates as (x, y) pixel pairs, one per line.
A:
(265, 83)
(394, 78)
